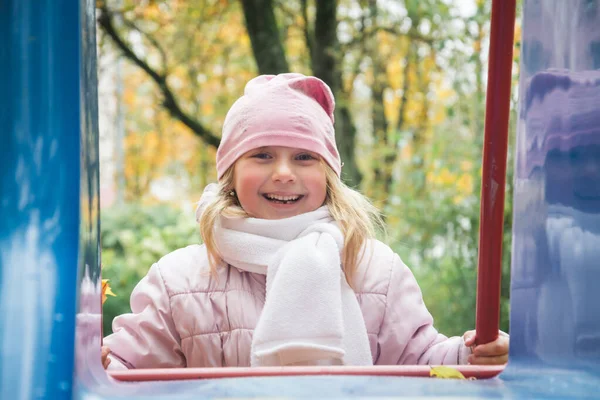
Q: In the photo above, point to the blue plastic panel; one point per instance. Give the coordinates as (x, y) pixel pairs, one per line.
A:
(555, 300)
(39, 185)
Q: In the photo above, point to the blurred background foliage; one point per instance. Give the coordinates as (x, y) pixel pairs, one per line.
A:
(409, 79)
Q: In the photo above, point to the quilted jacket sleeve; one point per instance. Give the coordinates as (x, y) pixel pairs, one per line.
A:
(146, 338)
(407, 335)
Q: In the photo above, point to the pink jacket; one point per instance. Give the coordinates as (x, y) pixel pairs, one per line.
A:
(184, 317)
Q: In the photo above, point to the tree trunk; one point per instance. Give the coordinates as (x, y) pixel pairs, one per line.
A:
(400, 124)
(383, 168)
(326, 47)
(325, 62)
(418, 163)
(264, 36)
(345, 134)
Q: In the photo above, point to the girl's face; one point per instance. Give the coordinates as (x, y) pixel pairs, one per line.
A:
(279, 182)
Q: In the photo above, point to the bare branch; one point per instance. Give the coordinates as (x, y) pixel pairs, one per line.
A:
(287, 11)
(411, 35)
(105, 20)
(405, 88)
(152, 40)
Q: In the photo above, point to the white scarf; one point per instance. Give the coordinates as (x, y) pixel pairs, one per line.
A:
(311, 315)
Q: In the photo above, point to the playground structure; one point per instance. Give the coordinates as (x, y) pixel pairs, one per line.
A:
(49, 212)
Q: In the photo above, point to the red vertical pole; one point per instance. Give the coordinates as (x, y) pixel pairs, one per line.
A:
(494, 170)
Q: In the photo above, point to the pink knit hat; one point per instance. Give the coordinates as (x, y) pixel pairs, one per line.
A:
(290, 110)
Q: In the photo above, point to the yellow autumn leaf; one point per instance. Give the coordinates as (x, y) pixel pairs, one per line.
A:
(446, 373)
(446, 177)
(106, 290)
(465, 184)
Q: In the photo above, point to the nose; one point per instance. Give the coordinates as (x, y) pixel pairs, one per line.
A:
(283, 172)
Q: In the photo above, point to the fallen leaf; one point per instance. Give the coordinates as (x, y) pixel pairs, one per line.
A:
(446, 373)
(106, 290)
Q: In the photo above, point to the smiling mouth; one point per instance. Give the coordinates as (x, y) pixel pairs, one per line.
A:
(282, 199)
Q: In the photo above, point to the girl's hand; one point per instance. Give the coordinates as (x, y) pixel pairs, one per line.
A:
(104, 356)
(493, 353)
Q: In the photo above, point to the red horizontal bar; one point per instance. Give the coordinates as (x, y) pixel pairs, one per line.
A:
(173, 374)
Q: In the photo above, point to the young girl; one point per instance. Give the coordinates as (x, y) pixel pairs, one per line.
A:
(289, 272)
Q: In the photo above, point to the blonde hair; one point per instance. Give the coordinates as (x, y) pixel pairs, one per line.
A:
(359, 219)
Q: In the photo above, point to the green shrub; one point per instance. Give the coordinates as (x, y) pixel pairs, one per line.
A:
(134, 237)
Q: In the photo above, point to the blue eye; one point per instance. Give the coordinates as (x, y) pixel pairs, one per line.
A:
(305, 157)
(262, 156)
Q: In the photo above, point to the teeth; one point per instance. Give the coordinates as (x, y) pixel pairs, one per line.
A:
(282, 198)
